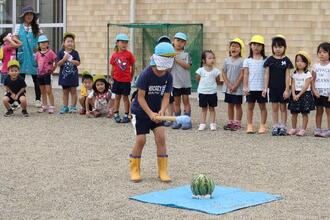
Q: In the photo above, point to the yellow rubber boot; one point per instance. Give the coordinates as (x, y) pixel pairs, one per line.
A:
(249, 129)
(135, 168)
(262, 129)
(162, 168)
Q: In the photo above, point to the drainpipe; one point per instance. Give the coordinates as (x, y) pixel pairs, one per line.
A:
(132, 20)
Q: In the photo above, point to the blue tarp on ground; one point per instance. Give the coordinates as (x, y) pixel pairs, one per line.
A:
(224, 199)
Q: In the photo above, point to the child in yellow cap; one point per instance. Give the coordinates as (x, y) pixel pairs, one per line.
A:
(15, 89)
(232, 73)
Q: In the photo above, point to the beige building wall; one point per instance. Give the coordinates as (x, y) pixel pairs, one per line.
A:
(304, 23)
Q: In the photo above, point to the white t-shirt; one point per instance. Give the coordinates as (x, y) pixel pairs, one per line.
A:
(300, 79)
(322, 81)
(256, 73)
(207, 83)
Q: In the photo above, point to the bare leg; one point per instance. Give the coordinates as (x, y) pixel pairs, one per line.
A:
(203, 115)
(263, 113)
(74, 96)
(50, 95)
(212, 114)
(250, 113)
(318, 116)
(65, 97)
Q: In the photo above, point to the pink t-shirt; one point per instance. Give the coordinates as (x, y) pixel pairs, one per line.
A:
(9, 53)
(45, 62)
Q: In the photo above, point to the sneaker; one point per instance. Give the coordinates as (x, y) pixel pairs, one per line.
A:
(64, 109)
(325, 134)
(25, 113)
(37, 103)
(236, 126)
(125, 119)
(168, 123)
(282, 132)
(292, 131)
(117, 118)
(42, 109)
(51, 109)
(275, 131)
(301, 132)
(229, 126)
(9, 113)
(82, 111)
(15, 106)
(202, 127)
(317, 132)
(213, 126)
(73, 109)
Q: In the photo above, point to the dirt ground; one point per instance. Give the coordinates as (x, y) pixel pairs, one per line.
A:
(73, 167)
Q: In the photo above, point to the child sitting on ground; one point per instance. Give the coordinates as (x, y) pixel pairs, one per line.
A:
(101, 98)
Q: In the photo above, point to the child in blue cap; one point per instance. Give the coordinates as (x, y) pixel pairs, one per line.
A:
(181, 79)
(154, 87)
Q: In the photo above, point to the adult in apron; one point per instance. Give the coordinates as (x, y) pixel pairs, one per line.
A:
(28, 32)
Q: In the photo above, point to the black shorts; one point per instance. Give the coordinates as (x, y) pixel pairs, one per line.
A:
(143, 125)
(121, 88)
(276, 95)
(322, 102)
(208, 100)
(233, 99)
(181, 91)
(256, 96)
(11, 100)
(44, 80)
(68, 87)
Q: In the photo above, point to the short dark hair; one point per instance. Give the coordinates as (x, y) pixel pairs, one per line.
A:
(204, 54)
(280, 42)
(325, 46)
(304, 59)
(107, 85)
(86, 76)
(262, 52)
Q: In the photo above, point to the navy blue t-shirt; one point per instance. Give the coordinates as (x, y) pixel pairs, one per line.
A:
(155, 87)
(277, 70)
(15, 85)
(68, 71)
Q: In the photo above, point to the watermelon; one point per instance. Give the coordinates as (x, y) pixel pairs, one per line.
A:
(202, 186)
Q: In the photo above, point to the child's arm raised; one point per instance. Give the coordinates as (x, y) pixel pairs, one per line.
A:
(144, 105)
(14, 42)
(63, 60)
(75, 62)
(266, 81)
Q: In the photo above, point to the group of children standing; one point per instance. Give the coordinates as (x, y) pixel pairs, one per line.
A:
(257, 77)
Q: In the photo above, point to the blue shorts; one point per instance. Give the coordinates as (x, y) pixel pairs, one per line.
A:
(256, 96)
(45, 80)
(208, 100)
(121, 88)
(143, 125)
(233, 99)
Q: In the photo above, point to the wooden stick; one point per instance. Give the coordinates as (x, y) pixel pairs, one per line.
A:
(166, 118)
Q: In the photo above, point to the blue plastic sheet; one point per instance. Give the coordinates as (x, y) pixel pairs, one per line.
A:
(224, 199)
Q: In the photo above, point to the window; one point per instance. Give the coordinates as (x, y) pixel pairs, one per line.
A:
(51, 20)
